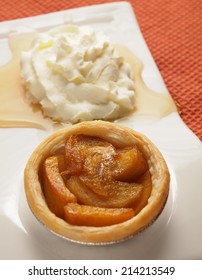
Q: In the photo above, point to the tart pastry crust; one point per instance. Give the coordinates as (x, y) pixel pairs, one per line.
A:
(119, 136)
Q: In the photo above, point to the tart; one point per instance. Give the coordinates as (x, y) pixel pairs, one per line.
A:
(96, 182)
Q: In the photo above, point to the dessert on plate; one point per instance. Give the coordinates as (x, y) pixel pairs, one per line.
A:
(96, 182)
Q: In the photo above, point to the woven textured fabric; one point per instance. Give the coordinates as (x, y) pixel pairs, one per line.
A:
(172, 30)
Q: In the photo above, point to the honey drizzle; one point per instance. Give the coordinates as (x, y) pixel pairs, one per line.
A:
(148, 102)
(15, 110)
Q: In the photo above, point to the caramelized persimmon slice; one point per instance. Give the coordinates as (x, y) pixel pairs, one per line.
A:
(89, 157)
(146, 181)
(77, 148)
(96, 172)
(84, 215)
(122, 194)
(129, 164)
(56, 193)
(73, 155)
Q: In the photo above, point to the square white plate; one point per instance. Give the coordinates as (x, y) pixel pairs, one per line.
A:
(176, 234)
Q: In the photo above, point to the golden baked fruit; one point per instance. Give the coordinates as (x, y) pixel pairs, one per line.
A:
(96, 182)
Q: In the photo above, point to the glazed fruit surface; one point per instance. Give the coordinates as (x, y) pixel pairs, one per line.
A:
(90, 182)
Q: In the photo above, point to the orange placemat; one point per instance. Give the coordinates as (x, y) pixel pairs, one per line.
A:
(172, 30)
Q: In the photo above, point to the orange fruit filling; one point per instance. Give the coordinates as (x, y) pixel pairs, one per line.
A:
(95, 183)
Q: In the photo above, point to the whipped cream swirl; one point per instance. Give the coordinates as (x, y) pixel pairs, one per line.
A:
(75, 74)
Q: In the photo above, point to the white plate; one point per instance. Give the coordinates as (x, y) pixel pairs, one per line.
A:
(177, 232)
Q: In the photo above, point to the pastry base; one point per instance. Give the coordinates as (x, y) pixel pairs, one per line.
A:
(119, 136)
